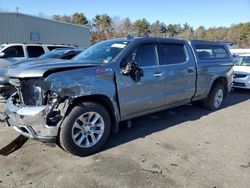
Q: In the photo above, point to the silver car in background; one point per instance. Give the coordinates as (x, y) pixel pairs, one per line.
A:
(242, 72)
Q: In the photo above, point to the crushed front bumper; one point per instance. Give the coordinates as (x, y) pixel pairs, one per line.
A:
(31, 122)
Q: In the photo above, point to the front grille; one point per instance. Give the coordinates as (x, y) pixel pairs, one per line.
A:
(239, 84)
(240, 75)
(29, 93)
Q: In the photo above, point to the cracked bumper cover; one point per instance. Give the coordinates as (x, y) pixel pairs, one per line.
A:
(30, 122)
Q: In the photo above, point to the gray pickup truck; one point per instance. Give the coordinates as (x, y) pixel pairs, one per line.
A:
(78, 103)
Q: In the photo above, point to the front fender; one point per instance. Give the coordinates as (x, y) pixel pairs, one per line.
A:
(85, 82)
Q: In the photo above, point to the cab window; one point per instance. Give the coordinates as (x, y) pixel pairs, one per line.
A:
(14, 51)
(211, 52)
(35, 51)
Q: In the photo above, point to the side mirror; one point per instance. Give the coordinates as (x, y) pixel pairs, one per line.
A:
(133, 70)
(2, 55)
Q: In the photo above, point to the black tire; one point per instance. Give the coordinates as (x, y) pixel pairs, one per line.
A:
(66, 138)
(209, 102)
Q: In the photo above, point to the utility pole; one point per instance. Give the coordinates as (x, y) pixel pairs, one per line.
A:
(17, 9)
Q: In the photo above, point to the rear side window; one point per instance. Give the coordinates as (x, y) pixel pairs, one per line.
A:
(14, 51)
(172, 54)
(35, 51)
(206, 52)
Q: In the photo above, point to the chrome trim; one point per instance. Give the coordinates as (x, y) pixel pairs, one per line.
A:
(30, 121)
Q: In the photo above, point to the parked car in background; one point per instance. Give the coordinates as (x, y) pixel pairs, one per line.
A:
(242, 72)
(239, 51)
(79, 103)
(11, 53)
(61, 54)
(54, 54)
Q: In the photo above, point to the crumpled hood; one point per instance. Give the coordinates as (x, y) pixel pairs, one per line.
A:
(38, 68)
(242, 69)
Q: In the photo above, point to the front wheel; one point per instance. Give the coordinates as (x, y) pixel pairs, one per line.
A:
(215, 97)
(85, 130)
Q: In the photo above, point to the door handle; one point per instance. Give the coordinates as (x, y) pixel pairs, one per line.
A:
(158, 74)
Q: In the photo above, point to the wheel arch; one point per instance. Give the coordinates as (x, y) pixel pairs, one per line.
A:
(105, 102)
(223, 81)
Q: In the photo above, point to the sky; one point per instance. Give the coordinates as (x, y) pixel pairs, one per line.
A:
(208, 13)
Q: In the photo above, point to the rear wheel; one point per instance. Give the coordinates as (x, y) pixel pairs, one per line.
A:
(86, 129)
(215, 97)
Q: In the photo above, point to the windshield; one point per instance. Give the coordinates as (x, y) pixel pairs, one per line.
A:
(102, 52)
(242, 61)
(54, 54)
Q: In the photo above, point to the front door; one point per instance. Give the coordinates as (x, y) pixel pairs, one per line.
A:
(137, 98)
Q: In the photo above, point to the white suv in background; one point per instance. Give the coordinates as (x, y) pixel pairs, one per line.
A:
(13, 52)
(21, 51)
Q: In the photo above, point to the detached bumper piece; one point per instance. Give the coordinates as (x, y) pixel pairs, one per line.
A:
(30, 121)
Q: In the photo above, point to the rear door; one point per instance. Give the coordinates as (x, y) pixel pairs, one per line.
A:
(180, 72)
(136, 98)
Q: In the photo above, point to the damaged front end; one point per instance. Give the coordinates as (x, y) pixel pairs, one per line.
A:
(34, 110)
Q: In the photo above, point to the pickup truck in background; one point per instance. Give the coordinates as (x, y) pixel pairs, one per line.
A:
(78, 103)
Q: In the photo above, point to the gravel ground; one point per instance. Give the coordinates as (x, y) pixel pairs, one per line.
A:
(182, 147)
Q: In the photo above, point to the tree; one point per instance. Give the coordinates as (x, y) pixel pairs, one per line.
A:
(141, 27)
(186, 26)
(102, 23)
(233, 34)
(106, 23)
(57, 17)
(66, 18)
(245, 35)
(156, 29)
(173, 29)
(79, 18)
(200, 33)
(163, 29)
(127, 27)
(187, 34)
(104, 27)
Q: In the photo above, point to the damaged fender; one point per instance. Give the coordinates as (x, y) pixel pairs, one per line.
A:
(93, 83)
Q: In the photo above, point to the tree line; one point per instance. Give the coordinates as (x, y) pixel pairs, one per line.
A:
(104, 27)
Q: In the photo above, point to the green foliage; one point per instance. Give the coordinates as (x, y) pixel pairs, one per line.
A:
(156, 29)
(77, 18)
(102, 23)
(104, 27)
(127, 27)
(141, 27)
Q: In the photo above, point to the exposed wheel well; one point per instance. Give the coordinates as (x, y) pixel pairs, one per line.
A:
(103, 100)
(222, 81)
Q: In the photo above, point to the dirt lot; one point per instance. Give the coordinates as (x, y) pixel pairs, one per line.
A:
(183, 147)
